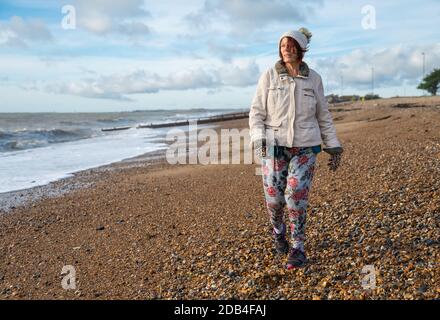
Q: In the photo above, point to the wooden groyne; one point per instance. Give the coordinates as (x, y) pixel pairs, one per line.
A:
(222, 117)
(115, 128)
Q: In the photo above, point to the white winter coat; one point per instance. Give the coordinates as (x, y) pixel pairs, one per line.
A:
(293, 110)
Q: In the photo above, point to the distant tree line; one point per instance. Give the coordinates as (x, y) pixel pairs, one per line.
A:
(430, 82)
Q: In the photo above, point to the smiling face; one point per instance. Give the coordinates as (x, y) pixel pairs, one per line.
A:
(290, 51)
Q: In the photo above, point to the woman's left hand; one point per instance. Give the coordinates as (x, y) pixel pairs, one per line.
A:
(335, 157)
(334, 161)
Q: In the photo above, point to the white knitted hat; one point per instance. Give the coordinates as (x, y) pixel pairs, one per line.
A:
(302, 36)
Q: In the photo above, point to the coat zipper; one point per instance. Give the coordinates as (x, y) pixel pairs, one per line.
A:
(292, 97)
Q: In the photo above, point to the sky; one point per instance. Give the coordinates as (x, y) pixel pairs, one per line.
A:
(121, 55)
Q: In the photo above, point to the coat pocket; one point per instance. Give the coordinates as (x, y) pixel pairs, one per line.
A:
(309, 100)
(272, 98)
(309, 93)
(308, 125)
(309, 131)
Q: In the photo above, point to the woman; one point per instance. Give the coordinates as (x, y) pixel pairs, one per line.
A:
(288, 120)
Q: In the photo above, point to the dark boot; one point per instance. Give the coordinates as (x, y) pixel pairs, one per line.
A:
(296, 259)
(281, 243)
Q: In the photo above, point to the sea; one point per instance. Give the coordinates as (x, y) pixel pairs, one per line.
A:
(39, 148)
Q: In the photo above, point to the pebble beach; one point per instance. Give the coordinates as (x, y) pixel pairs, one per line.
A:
(146, 229)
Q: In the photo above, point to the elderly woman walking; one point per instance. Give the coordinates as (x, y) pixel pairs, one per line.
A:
(288, 120)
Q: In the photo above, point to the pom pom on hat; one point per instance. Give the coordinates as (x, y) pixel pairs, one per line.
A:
(306, 32)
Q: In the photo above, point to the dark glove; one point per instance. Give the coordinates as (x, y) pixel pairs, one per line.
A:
(335, 157)
(260, 148)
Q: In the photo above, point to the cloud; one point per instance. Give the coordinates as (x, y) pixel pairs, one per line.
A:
(30, 85)
(393, 66)
(119, 86)
(250, 15)
(224, 52)
(18, 32)
(119, 16)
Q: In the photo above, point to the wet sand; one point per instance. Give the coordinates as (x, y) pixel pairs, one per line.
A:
(150, 230)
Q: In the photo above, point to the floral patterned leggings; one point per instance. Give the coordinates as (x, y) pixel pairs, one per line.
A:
(287, 178)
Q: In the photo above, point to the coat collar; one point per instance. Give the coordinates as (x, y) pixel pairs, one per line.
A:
(280, 67)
